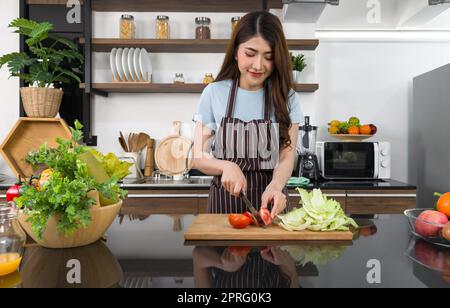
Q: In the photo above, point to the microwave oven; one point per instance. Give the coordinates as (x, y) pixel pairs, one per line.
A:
(354, 160)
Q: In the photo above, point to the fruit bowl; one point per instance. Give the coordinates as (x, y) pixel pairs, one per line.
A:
(351, 137)
(431, 256)
(430, 232)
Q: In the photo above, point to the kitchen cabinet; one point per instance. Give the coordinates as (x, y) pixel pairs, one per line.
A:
(173, 201)
(380, 201)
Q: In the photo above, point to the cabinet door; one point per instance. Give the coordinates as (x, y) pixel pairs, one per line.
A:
(336, 194)
(380, 201)
(148, 202)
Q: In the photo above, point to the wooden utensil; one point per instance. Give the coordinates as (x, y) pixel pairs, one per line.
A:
(123, 144)
(172, 153)
(150, 159)
(125, 147)
(142, 140)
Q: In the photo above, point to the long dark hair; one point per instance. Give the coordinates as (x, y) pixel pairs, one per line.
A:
(269, 27)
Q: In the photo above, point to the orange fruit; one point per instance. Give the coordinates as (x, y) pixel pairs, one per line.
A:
(443, 204)
(365, 130)
(353, 130)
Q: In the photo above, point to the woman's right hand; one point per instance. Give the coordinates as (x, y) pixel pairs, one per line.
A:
(233, 179)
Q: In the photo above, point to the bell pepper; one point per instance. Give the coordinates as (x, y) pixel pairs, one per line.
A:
(13, 192)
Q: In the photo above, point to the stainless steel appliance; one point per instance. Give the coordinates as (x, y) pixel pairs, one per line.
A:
(307, 164)
(354, 160)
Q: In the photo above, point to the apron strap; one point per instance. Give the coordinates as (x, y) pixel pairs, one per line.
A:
(266, 101)
(231, 99)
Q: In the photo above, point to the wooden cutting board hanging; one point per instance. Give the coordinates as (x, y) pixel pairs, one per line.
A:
(173, 155)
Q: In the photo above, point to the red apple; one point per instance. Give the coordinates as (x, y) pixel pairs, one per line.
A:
(425, 223)
(373, 129)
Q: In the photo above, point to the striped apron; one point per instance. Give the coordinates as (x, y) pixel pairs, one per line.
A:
(253, 146)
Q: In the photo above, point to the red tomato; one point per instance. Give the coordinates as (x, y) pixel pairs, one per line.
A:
(265, 216)
(249, 215)
(239, 221)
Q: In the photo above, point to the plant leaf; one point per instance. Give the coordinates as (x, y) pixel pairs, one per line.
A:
(39, 33)
(24, 26)
(68, 73)
(16, 61)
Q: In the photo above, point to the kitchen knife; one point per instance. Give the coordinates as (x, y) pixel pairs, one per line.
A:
(255, 214)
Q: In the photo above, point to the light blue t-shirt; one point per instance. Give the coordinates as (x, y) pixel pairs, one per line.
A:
(249, 105)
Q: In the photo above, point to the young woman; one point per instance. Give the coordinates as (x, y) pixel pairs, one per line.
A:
(252, 115)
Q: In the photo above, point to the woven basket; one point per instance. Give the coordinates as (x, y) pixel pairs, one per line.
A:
(41, 102)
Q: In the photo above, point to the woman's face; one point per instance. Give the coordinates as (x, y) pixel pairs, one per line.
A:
(255, 62)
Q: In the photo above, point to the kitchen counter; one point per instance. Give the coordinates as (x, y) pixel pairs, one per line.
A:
(203, 182)
(134, 255)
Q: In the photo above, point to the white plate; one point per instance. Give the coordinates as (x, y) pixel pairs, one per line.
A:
(145, 65)
(119, 64)
(130, 63)
(112, 63)
(125, 64)
(137, 71)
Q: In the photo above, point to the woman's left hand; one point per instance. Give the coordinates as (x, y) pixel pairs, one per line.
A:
(275, 196)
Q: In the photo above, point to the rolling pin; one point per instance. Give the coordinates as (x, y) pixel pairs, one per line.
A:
(150, 160)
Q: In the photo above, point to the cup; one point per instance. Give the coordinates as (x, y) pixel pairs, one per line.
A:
(133, 157)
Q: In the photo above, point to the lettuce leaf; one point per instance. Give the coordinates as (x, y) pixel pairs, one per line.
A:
(114, 167)
(319, 213)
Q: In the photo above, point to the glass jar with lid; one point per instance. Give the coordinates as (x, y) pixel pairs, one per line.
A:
(202, 31)
(127, 27)
(179, 78)
(234, 21)
(208, 78)
(162, 27)
(12, 240)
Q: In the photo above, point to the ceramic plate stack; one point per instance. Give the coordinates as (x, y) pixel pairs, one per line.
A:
(130, 65)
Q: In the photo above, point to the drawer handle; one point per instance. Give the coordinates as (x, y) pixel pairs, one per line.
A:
(382, 195)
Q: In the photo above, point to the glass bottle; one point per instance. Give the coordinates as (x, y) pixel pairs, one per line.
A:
(127, 27)
(12, 240)
(202, 32)
(162, 27)
(234, 21)
(178, 78)
(208, 78)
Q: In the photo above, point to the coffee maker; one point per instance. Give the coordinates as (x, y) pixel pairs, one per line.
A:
(307, 163)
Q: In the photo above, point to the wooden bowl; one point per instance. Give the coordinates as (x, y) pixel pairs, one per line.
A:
(102, 218)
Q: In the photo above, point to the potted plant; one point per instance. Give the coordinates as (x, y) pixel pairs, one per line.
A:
(298, 64)
(50, 63)
(75, 199)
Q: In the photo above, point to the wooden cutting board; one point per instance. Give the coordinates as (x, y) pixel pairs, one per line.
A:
(216, 227)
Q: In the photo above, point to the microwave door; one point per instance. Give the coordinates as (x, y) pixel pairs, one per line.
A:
(349, 160)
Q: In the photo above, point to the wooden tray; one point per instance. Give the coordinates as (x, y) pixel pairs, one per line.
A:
(209, 227)
(27, 135)
(351, 137)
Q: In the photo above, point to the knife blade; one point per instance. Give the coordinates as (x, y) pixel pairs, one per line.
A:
(255, 214)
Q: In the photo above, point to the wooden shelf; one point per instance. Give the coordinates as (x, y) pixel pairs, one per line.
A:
(51, 2)
(183, 5)
(115, 87)
(183, 45)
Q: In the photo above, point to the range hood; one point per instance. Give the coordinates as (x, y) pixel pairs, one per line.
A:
(305, 11)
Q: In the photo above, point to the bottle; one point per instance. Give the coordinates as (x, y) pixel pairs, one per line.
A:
(234, 21)
(202, 32)
(127, 27)
(208, 78)
(12, 240)
(178, 78)
(162, 27)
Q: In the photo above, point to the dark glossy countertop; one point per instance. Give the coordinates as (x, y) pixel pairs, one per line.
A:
(146, 252)
(203, 182)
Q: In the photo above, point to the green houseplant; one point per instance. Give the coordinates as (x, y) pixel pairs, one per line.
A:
(51, 63)
(298, 65)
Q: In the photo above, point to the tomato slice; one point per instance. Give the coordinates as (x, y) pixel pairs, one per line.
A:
(239, 221)
(249, 215)
(265, 216)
